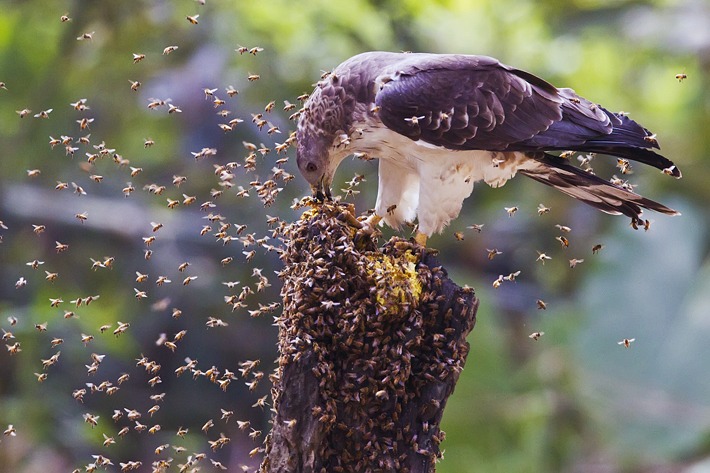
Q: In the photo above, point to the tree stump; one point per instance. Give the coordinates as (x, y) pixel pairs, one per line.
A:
(371, 345)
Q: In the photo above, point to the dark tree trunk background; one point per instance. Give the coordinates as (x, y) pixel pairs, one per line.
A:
(372, 342)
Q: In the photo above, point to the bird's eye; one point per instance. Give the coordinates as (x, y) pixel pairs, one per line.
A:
(311, 167)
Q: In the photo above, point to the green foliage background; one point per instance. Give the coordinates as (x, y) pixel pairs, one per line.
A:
(572, 401)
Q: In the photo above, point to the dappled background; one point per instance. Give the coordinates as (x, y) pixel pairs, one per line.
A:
(574, 400)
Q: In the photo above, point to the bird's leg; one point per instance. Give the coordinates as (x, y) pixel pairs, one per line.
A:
(421, 238)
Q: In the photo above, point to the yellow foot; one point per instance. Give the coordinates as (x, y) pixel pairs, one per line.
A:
(421, 238)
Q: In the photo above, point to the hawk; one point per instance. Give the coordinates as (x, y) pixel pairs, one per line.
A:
(439, 123)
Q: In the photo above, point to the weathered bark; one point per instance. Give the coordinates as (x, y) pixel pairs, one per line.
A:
(372, 342)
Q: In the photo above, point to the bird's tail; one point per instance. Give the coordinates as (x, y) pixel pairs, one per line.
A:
(630, 140)
(627, 140)
(589, 188)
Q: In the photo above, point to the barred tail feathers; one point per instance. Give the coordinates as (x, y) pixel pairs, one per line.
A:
(589, 188)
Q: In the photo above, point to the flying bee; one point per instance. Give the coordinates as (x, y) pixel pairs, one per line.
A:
(162, 280)
(37, 229)
(188, 280)
(493, 252)
(173, 109)
(511, 210)
(173, 203)
(24, 112)
(626, 342)
(597, 248)
(80, 190)
(541, 305)
(512, 276)
(567, 154)
(82, 217)
(64, 18)
(43, 113)
(160, 448)
(122, 327)
(91, 419)
(14, 349)
(536, 335)
(563, 228)
(563, 241)
(51, 277)
(541, 209)
(135, 171)
(85, 123)
(33, 172)
(651, 139)
(414, 120)
(34, 264)
(624, 165)
(255, 50)
(192, 19)
(261, 402)
(86, 36)
(134, 84)
(140, 294)
(253, 77)
(574, 262)
(681, 77)
(542, 257)
(498, 282)
(207, 425)
(155, 103)
(41, 377)
(22, 282)
(231, 91)
(169, 50)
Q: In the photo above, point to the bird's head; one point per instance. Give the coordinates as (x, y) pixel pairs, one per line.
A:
(325, 117)
(313, 159)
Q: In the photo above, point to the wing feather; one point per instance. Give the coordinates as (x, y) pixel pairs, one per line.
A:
(489, 106)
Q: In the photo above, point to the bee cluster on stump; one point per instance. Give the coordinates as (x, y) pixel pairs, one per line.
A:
(371, 344)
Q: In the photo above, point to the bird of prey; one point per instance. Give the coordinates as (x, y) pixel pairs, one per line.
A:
(441, 122)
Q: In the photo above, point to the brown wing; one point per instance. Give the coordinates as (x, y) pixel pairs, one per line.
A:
(475, 102)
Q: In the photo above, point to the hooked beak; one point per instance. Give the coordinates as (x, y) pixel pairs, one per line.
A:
(321, 191)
